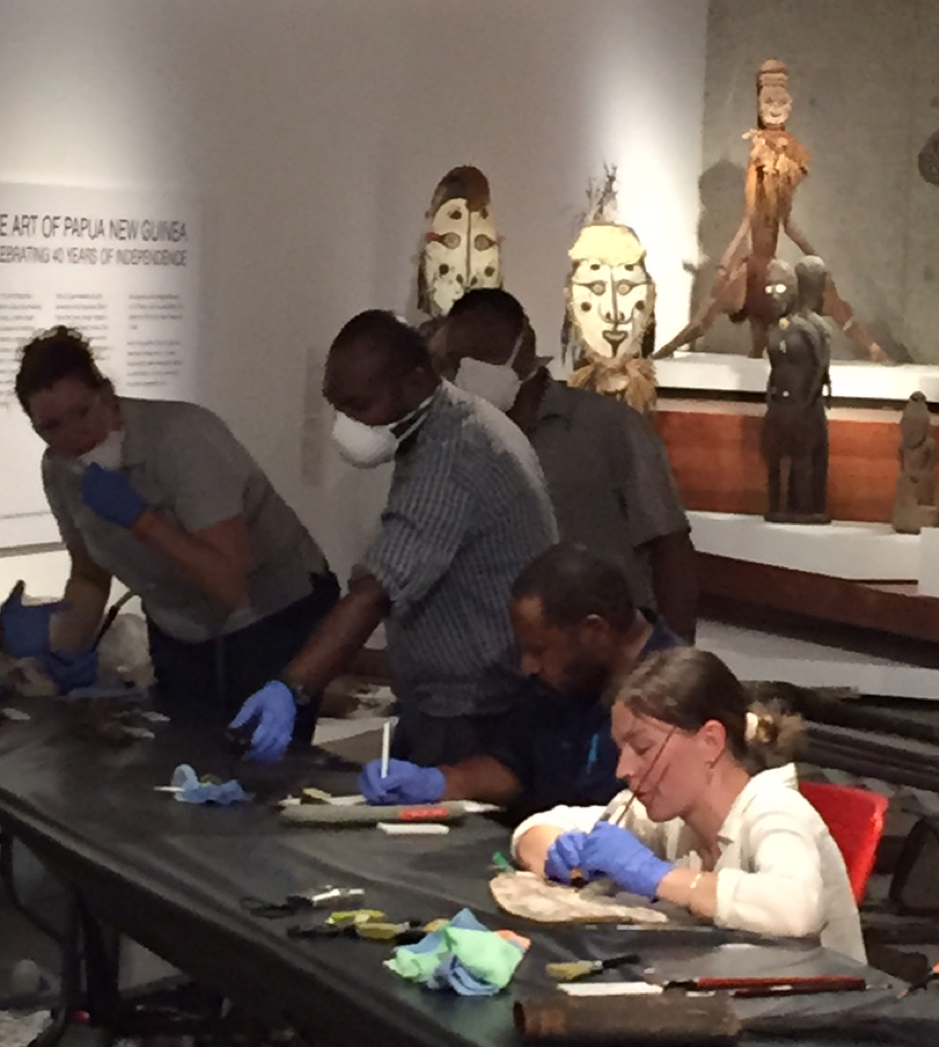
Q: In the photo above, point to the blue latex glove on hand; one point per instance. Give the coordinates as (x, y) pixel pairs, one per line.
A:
(404, 783)
(275, 710)
(617, 853)
(26, 626)
(564, 856)
(70, 669)
(110, 495)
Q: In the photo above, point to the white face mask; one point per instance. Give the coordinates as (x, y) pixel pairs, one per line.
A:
(109, 454)
(497, 383)
(367, 446)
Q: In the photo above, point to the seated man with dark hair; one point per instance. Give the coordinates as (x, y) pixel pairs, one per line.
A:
(576, 628)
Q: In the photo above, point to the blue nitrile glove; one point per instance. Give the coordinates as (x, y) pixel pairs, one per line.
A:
(275, 710)
(26, 626)
(192, 790)
(404, 783)
(617, 853)
(110, 495)
(70, 669)
(564, 856)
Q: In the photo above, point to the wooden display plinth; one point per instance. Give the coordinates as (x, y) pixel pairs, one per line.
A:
(892, 609)
(714, 450)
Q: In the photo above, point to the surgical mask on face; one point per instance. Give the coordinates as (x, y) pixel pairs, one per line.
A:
(109, 454)
(367, 446)
(497, 383)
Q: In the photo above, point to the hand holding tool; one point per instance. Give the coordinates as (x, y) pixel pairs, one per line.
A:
(398, 781)
(565, 857)
(617, 853)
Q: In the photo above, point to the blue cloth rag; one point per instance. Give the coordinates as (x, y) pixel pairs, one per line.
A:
(191, 790)
(463, 955)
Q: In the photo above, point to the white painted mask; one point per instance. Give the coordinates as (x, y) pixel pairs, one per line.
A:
(461, 249)
(610, 295)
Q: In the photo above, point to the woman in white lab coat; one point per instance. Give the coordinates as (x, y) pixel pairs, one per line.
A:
(701, 830)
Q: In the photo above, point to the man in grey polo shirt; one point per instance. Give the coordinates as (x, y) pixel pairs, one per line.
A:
(610, 481)
(161, 496)
(466, 512)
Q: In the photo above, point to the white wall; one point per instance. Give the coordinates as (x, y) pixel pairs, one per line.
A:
(315, 131)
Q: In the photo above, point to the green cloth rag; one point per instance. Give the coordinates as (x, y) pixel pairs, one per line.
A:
(484, 954)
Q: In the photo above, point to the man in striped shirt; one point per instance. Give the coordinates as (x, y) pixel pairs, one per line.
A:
(467, 510)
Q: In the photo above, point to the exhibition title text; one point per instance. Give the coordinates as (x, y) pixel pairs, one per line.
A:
(100, 241)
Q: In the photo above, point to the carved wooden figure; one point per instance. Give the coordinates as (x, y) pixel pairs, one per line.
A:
(795, 428)
(777, 166)
(915, 504)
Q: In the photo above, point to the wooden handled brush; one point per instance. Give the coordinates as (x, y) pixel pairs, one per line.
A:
(574, 970)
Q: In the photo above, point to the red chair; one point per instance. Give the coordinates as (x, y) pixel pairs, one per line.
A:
(855, 819)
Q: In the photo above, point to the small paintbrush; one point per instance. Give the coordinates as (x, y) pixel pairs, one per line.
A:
(574, 970)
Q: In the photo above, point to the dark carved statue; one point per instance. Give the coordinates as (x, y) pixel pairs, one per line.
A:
(795, 428)
(915, 504)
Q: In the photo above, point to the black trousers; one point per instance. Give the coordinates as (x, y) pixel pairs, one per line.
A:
(209, 681)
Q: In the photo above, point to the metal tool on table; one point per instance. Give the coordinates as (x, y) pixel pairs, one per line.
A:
(920, 983)
(320, 898)
(336, 817)
(780, 985)
(370, 924)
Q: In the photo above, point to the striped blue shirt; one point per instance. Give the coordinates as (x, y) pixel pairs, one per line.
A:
(467, 511)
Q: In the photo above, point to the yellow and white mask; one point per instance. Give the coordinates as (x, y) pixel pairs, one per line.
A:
(461, 247)
(610, 295)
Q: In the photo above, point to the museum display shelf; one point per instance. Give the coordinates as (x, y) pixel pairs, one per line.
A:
(714, 449)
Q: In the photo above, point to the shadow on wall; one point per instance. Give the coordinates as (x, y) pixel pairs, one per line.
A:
(721, 191)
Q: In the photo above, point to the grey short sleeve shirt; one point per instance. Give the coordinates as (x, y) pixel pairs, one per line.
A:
(609, 478)
(467, 511)
(187, 465)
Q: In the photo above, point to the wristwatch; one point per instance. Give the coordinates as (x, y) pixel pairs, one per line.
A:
(301, 696)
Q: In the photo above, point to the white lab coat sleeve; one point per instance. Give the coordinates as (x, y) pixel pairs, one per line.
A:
(567, 819)
(779, 887)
